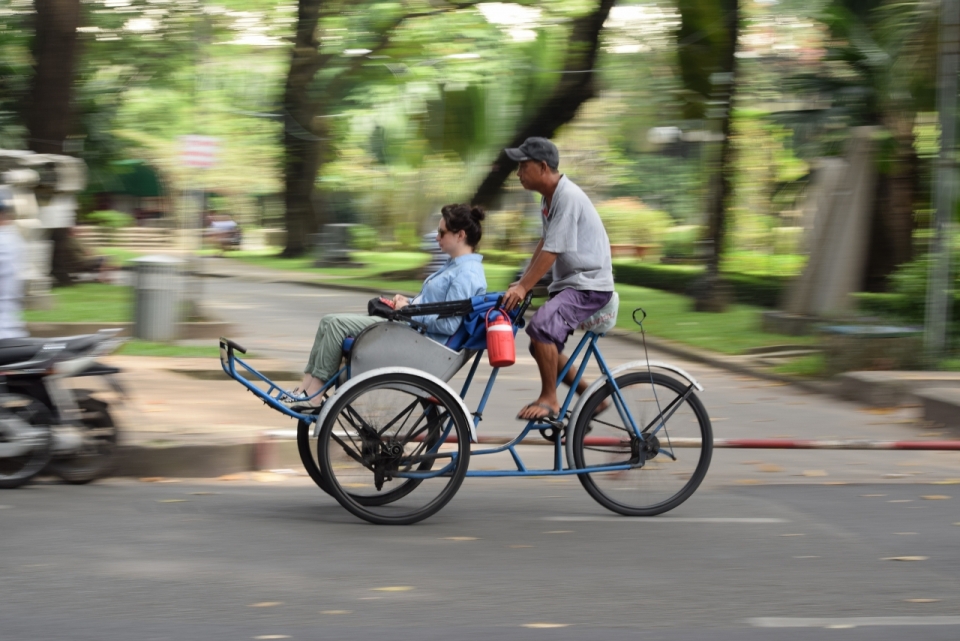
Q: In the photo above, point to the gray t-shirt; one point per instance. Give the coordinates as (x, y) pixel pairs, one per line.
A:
(572, 229)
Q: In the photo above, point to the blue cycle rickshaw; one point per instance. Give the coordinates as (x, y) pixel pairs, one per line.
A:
(392, 443)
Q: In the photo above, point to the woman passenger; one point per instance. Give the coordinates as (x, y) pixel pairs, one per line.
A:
(459, 278)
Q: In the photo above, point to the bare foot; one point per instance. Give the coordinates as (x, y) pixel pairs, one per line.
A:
(538, 410)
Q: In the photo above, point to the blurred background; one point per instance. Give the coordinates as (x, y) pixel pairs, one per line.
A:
(773, 158)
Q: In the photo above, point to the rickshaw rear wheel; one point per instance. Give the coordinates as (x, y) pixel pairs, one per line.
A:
(311, 465)
(392, 434)
(304, 447)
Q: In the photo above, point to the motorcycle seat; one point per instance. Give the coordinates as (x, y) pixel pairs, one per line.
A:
(19, 350)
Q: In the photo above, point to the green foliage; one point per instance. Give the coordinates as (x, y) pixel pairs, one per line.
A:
(504, 257)
(504, 231)
(672, 278)
(363, 237)
(907, 299)
(109, 218)
(407, 235)
(764, 290)
(762, 263)
(909, 282)
(787, 240)
(629, 222)
(681, 241)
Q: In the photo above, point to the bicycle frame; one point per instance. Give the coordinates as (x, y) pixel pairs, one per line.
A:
(588, 346)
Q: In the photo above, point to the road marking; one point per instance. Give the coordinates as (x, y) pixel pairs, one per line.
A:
(545, 625)
(853, 622)
(5, 507)
(394, 588)
(668, 519)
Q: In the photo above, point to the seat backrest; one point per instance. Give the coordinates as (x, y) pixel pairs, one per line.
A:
(393, 344)
(604, 319)
(472, 333)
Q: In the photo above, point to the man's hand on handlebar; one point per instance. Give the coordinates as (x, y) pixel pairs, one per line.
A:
(514, 296)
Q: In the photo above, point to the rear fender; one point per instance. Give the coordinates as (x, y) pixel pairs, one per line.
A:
(632, 365)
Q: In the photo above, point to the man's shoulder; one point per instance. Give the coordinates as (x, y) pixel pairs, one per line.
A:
(570, 192)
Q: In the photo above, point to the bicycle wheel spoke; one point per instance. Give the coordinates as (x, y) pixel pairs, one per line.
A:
(405, 413)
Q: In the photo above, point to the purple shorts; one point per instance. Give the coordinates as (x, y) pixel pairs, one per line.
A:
(560, 315)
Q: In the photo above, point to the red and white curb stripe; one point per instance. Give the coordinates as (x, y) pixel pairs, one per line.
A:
(720, 443)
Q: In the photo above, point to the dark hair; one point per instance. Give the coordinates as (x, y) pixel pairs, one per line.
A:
(466, 218)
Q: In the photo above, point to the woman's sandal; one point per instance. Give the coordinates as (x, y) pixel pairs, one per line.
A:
(292, 396)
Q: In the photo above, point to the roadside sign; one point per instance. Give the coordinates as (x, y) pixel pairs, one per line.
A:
(199, 151)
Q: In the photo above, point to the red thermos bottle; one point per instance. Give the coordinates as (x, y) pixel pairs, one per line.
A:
(501, 351)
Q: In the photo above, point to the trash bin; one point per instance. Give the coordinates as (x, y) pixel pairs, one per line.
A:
(156, 297)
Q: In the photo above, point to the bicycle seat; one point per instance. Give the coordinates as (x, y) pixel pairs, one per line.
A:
(604, 319)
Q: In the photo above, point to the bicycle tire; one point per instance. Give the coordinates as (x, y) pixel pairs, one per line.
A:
(663, 482)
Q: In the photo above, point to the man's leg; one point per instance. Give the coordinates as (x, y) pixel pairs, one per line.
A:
(549, 329)
(546, 355)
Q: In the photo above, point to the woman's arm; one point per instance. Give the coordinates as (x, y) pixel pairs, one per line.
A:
(464, 283)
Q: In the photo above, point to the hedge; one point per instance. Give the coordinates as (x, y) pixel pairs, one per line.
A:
(764, 291)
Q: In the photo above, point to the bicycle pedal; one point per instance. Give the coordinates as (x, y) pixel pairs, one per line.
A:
(543, 424)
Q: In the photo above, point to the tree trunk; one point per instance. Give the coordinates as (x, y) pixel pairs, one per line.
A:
(708, 46)
(891, 234)
(301, 145)
(577, 85)
(50, 118)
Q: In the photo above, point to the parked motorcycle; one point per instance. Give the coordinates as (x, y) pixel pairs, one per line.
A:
(45, 423)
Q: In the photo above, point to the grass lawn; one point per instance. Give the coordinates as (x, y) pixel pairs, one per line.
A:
(136, 347)
(671, 316)
(86, 303)
(810, 366)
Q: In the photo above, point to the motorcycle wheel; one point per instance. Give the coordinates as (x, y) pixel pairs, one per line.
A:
(17, 470)
(96, 457)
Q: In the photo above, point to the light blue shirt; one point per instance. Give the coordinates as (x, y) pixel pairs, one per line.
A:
(459, 278)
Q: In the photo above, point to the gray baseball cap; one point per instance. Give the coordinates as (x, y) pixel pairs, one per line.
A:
(535, 149)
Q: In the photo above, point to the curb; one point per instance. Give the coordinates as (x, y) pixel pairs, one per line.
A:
(192, 461)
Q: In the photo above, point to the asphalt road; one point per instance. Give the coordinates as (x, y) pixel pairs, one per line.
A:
(774, 545)
(123, 560)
